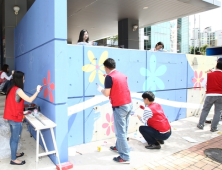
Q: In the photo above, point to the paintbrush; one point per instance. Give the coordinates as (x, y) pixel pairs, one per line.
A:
(40, 88)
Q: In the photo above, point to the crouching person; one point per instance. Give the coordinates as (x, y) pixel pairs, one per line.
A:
(158, 128)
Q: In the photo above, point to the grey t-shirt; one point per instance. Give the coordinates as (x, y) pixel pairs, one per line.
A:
(17, 97)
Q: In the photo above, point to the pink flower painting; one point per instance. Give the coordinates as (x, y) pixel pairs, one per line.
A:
(49, 88)
(109, 125)
(197, 80)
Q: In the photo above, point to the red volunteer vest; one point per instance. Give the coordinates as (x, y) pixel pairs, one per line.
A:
(1, 80)
(13, 110)
(119, 94)
(159, 120)
(214, 82)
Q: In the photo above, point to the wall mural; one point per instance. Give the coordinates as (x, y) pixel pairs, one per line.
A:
(156, 74)
(70, 72)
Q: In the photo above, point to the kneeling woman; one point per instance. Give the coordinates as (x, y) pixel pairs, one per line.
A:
(14, 106)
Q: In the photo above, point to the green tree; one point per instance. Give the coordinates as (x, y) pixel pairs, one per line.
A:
(192, 50)
(203, 49)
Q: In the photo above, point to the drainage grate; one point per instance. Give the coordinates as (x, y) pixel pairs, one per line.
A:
(214, 153)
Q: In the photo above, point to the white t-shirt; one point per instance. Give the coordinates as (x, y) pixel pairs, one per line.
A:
(4, 75)
(154, 49)
(83, 43)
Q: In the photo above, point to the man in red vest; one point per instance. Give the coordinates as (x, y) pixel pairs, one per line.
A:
(158, 128)
(213, 83)
(117, 89)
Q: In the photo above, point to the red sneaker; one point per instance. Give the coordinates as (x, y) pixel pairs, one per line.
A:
(113, 148)
(120, 160)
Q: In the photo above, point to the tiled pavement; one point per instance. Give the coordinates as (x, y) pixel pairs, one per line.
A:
(189, 159)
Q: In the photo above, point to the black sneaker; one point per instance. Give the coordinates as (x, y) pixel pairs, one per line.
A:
(120, 160)
(213, 129)
(160, 142)
(153, 146)
(113, 148)
(200, 126)
(3, 93)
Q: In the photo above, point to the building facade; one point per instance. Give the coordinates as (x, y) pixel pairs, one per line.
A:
(155, 33)
(174, 34)
(183, 35)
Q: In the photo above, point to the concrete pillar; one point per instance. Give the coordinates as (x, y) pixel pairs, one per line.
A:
(142, 38)
(126, 36)
(10, 22)
(1, 31)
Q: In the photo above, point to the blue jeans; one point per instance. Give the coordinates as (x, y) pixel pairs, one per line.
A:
(6, 86)
(121, 122)
(16, 129)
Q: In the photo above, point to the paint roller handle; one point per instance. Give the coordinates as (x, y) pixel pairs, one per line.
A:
(209, 71)
(39, 88)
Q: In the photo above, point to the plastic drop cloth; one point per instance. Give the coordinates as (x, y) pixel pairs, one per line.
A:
(5, 151)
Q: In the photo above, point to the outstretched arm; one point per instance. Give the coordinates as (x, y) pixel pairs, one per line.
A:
(27, 98)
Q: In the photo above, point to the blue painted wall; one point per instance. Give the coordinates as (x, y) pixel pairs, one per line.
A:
(41, 53)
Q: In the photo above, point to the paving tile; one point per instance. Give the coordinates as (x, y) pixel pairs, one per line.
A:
(220, 167)
(211, 163)
(208, 167)
(184, 152)
(190, 159)
(163, 161)
(155, 163)
(171, 165)
(178, 155)
(144, 167)
(192, 155)
(184, 165)
(194, 168)
(200, 164)
(160, 168)
(151, 166)
(199, 157)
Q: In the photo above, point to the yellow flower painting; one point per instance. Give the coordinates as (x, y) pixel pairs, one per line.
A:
(94, 67)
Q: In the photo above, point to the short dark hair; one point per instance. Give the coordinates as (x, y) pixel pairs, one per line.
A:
(219, 65)
(5, 67)
(159, 43)
(16, 81)
(110, 63)
(149, 95)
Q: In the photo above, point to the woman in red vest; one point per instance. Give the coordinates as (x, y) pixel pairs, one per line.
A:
(5, 79)
(158, 128)
(14, 106)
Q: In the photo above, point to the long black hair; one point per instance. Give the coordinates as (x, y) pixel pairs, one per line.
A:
(81, 35)
(159, 43)
(16, 81)
(5, 68)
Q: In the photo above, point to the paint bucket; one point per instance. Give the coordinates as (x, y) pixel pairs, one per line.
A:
(99, 148)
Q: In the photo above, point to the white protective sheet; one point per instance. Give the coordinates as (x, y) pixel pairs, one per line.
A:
(5, 151)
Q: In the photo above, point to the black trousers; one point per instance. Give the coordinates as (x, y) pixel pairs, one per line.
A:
(6, 86)
(151, 135)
